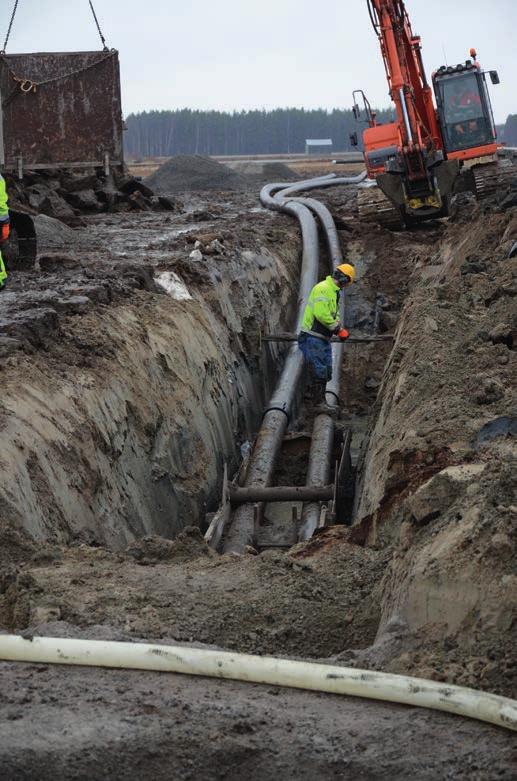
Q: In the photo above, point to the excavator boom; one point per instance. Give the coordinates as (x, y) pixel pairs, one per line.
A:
(409, 90)
(416, 159)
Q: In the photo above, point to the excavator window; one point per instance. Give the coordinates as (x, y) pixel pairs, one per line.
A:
(464, 114)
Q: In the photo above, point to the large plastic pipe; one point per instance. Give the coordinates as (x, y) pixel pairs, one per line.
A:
(322, 440)
(321, 182)
(262, 669)
(318, 472)
(266, 448)
(262, 464)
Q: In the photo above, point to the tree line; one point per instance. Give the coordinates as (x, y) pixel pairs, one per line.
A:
(283, 130)
(510, 131)
(188, 132)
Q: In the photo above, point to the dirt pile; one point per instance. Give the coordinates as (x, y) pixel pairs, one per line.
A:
(264, 172)
(307, 605)
(187, 173)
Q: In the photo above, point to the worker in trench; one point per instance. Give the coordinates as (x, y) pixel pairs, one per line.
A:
(320, 323)
(4, 228)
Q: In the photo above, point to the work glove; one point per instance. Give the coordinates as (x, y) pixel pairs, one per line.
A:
(4, 232)
(343, 334)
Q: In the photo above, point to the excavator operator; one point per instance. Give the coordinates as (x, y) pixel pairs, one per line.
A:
(320, 323)
(4, 228)
(466, 105)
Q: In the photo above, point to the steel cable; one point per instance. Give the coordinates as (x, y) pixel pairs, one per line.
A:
(98, 26)
(15, 8)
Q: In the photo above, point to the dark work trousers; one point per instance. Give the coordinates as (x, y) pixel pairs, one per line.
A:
(317, 354)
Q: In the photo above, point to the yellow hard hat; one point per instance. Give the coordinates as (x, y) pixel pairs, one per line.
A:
(348, 270)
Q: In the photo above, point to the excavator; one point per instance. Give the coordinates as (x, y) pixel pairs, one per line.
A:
(416, 163)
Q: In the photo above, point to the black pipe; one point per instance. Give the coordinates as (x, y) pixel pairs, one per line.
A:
(322, 442)
(267, 446)
(269, 440)
(282, 493)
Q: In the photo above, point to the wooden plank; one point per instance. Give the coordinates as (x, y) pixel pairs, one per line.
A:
(221, 519)
(286, 337)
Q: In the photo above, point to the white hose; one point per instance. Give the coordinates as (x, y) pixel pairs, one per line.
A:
(262, 669)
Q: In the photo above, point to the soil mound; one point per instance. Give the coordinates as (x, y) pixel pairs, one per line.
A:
(279, 171)
(187, 546)
(193, 172)
(268, 172)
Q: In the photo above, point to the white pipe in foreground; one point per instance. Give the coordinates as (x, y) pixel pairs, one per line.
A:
(262, 669)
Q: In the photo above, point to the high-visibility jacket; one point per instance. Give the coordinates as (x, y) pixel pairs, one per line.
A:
(4, 217)
(321, 313)
(4, 211)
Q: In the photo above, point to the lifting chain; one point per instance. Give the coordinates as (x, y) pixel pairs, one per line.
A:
(10, 26)
(27, 85)
(15, 8)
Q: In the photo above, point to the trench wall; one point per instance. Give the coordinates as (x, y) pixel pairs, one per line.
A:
(436, 476)
(134, 442)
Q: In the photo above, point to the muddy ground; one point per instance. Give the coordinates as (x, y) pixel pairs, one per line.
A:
(424, 583)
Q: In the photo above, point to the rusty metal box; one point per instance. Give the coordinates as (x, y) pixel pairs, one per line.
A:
(60, 110)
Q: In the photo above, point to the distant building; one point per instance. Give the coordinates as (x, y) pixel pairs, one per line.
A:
(318, 146)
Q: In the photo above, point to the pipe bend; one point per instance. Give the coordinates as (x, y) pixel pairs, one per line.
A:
(277, 196)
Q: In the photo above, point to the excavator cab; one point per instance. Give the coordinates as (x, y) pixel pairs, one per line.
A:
(465, 111)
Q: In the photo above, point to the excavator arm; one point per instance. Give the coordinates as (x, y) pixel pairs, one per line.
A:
(411, 170)
(406, 157)
(409, 90)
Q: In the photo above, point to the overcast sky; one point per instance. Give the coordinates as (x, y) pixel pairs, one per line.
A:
(233, 54)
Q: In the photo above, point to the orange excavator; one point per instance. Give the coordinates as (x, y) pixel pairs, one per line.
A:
(428, 152)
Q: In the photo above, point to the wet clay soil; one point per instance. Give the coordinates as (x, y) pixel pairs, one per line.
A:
(422, 584)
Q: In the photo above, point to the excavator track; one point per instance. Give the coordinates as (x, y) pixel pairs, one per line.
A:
(374, 206)
(493, 177)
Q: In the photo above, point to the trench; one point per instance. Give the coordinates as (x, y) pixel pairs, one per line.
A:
(153, 449)
(139, 448)
(149, 433)
(300, 474)
(147, 451)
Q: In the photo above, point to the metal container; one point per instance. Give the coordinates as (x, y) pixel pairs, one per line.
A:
(60, 110)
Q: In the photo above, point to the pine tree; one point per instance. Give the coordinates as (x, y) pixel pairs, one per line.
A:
(280, 131)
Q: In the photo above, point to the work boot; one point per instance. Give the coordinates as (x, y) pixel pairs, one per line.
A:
(318, 393)
(318, 404)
